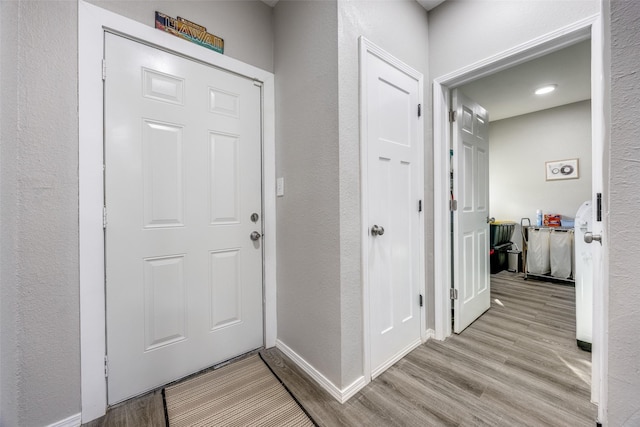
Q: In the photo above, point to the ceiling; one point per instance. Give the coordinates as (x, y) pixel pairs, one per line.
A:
(427, 4)
(509, 93)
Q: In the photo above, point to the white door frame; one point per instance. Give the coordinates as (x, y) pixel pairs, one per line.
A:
(92, 24)
(366, 47)
(588, 28)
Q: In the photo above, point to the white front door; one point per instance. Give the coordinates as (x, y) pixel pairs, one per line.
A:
(182, 180)
(470, 220)
(395, 190)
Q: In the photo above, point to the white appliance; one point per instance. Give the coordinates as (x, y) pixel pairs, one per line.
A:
(584, 278)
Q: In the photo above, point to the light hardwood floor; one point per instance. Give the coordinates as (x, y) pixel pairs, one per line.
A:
(517, 365)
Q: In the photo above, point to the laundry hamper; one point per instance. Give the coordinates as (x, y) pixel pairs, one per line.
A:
(538, 251)
(561, 252)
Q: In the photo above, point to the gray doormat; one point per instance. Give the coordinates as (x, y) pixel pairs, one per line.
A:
(244, 393)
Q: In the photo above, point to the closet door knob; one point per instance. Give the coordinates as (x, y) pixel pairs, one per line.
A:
(377, 230)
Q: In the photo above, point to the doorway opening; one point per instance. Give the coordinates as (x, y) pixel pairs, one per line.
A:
(527, 134)
(589, 29)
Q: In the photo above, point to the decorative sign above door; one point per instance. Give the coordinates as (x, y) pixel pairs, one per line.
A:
(189, 31)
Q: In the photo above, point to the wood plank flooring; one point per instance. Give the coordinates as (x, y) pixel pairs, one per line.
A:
(518, 364)
(146, 410)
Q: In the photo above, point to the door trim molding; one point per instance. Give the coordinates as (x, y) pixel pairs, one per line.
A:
(92, 24)
(366, 47)
(588, 28)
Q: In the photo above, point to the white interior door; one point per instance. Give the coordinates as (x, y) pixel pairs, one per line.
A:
(182, 179)
(470, 221)
(395, 189)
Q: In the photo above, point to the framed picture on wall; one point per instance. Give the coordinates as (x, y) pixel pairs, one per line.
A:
(561, 169)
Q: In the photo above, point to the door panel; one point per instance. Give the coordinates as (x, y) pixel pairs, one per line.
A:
(165, 302)
(394, 188)
(162, 168)
(182, 178)
(471, 230)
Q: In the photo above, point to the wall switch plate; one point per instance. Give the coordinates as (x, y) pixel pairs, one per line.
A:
(280, 187)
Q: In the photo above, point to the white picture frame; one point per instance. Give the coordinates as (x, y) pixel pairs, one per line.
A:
(561, 169)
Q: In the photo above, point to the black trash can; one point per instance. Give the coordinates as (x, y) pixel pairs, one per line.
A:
(500, 241)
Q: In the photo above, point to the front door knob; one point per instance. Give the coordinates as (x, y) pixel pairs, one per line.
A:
(377, 230)
(255, 236)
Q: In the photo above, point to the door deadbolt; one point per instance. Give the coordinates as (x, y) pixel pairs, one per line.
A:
(377, 230)
(255, 217)
(255, 236)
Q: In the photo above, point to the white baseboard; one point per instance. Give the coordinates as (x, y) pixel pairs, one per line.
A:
(72, 421)
(352, 389)
(431, 333)
(340, 395)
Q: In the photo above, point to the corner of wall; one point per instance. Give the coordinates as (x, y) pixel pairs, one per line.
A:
(308, 227)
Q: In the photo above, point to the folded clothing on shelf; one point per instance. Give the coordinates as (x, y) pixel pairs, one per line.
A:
(552, 220)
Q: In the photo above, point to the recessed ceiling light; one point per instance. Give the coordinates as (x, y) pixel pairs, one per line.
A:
(546, 89)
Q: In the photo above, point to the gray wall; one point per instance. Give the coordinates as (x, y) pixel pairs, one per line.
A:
(39, 213)
(39, 296)
(246, 26)
(519, 148)
(624, 252)
(306, 68)
(462, 32)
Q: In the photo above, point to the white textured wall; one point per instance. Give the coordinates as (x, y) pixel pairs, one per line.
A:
(400, 28)
(39, 213)
(308, 241)
(246, 25)
(519, 148)
(624, 252)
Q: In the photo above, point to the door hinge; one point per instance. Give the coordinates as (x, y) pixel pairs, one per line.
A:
(452, 116)
(598, 207)
(421, 301)
(453, 205)
(104, 69)
(419, 205)
(419, 110)
(106, 367)
(104, 217)
(453, 293)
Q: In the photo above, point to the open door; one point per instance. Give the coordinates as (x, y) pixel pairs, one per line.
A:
(471, 284)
